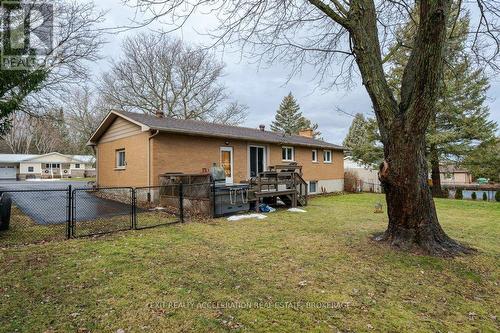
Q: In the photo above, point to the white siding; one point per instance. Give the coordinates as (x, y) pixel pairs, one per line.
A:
(330, 185)
(82, 166)
(37, 168)
(120, 128)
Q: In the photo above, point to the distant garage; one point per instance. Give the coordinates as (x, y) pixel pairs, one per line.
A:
(8, 171)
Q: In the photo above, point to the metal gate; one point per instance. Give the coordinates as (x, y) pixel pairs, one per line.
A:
(101, 211)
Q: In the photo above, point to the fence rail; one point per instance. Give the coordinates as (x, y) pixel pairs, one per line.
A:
(40, 215)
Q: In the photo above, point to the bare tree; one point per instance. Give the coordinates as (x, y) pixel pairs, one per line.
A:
(83, 114)
(38, 134)
(20, 136)
(77, 39)
(49, 133)
(339, 36)
(158, 73)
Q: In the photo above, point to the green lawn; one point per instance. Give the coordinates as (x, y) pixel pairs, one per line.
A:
(88, 179)
(293, 272)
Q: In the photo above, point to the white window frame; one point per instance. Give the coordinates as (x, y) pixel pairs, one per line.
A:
(248, 156)
(77, 165)
(31, 169)
(324, 156)
(286, 159)
(316, 182)
(315, 152)
(117, 159)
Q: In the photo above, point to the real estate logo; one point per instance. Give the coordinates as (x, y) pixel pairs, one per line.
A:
(26, 33)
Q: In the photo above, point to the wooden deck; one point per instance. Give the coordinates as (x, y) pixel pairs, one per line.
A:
(283, 182)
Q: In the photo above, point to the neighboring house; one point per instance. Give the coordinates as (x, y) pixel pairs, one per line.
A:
(135, 149)
(366, 176)
(52, 165)
(453, 175)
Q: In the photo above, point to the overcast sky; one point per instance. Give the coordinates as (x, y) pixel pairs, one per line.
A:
(262, 89)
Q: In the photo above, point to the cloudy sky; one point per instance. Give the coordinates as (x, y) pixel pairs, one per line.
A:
(262, 89)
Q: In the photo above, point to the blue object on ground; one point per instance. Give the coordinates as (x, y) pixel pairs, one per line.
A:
(263, 208)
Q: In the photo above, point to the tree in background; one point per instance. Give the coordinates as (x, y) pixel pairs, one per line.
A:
(76, 40)
(363, 141)
(484, 161)
(34, 134)
(160, 73)
(460, 121)
(289, 119)
(83, 112)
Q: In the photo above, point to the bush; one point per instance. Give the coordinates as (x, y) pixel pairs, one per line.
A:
(459, 194)
(485, 196)
(497, 196)
(474, 196)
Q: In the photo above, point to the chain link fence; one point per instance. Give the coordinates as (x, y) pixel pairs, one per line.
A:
(33, 216)
(101, 211)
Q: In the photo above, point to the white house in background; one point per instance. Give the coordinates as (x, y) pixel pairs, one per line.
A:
(52, 165)
(366, 176)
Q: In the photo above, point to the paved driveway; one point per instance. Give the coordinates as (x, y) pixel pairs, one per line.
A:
(47, 202)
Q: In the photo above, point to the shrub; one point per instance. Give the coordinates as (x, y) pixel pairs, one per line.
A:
(474, 196)
(459, 194)
(497, 196)
(485, 196)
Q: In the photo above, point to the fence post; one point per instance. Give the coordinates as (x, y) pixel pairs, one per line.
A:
(214, 203)
(70, 211)
(181, 202)
(134, 209)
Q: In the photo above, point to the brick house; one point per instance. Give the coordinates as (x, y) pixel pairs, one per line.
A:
(134, 149)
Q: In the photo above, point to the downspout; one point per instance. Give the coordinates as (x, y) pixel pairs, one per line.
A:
(94, 149)
(149, 155)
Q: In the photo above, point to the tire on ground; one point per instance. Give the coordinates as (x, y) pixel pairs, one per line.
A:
(5, 209)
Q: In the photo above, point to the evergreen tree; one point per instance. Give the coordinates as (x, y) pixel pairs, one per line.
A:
(461, 118)
(289, 120)
(484, 161)
(362, 141)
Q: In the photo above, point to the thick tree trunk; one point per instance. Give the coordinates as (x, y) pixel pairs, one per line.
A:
(413, 222)
(437, 191)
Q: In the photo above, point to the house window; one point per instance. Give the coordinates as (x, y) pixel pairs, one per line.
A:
(55, 165)
(287, 153)
(313, 187)
(120, 159)
(77, 166)
(31, 169)
(315, 155)
(327, 156)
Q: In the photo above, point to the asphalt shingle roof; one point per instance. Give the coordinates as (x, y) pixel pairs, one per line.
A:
(218, 130)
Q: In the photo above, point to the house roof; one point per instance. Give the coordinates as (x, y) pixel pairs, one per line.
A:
(202, 128)
(451, 168)
(18, 158)
(15, 158)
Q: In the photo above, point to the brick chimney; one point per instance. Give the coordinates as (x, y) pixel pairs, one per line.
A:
(160, 114)
(308, 133)
(262, 127)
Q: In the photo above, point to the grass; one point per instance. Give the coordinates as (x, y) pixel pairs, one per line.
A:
(292, 272)
(82, 179)
(23, 230)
